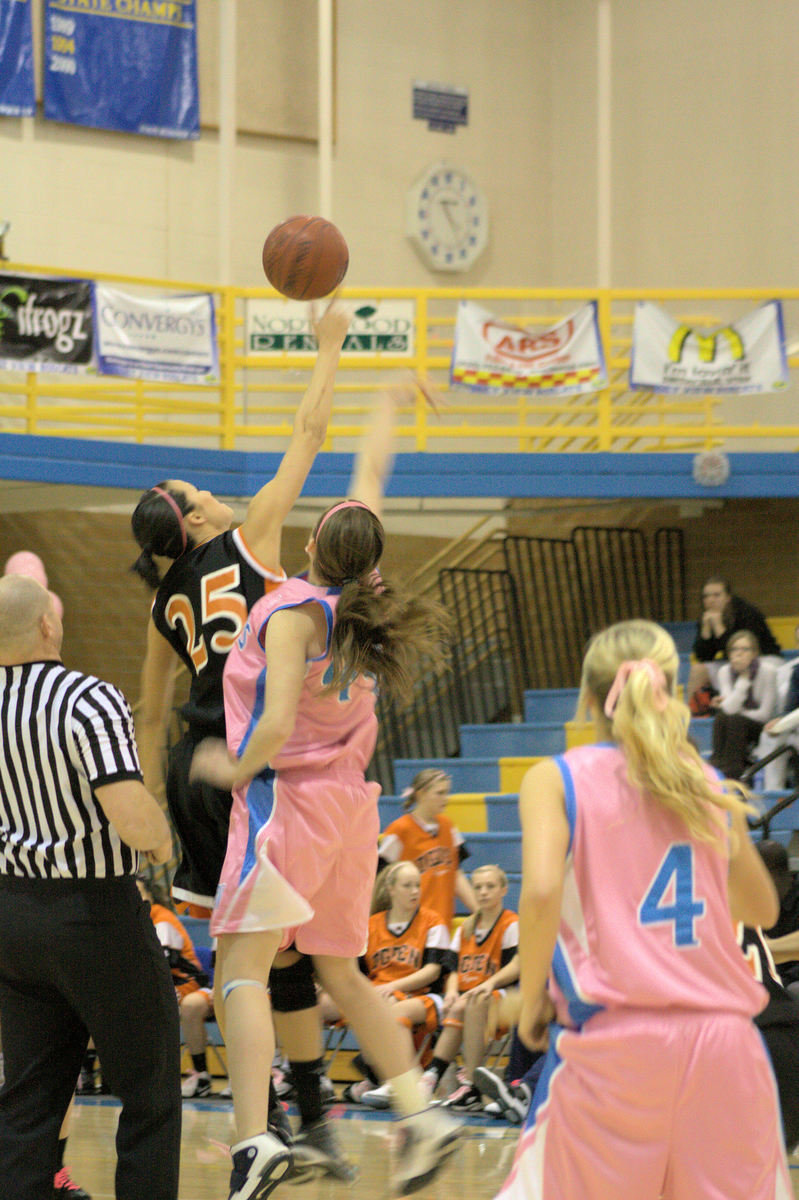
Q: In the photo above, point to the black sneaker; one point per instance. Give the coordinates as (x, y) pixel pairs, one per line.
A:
(317, 1151)
(259, 1164)
(65, 1188)
(513, 1099)
(465, 1098)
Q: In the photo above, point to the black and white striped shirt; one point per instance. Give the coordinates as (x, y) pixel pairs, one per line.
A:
(62, 734)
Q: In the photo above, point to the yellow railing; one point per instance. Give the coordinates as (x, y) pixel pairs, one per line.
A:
(252, 406)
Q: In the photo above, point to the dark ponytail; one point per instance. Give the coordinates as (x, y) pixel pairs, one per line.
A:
(159, 529)
(380, 629)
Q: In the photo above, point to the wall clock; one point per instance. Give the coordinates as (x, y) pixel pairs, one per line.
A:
(447, 217)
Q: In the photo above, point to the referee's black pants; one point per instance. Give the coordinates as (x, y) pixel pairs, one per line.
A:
(81, 959)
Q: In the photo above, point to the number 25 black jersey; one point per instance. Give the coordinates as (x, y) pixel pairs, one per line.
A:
(201, 608)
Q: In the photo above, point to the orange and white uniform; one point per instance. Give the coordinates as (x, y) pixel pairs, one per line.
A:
(173, 936)
(396, 950)
(486, 951)
(437, 850)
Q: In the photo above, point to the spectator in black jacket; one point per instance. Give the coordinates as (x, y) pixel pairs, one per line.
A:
(722, 615)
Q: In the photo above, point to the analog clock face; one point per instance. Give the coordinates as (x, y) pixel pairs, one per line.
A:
(447, 217)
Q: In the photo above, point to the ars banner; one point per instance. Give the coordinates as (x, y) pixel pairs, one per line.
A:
(490, 355)
(156, 337)
(45, 324)
(17, 96)
(738, 359)
(129, 65)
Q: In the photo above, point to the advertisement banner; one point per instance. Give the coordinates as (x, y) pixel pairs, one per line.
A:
(739, 359)
(277, 327)
(17, 94)
(171, 338)
(45, 324)
(129, 65)
(490, 355)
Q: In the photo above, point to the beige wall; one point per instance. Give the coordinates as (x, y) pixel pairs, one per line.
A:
(705, 178)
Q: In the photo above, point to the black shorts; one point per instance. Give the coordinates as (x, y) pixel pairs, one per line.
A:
(783, 1047)
(201, 815)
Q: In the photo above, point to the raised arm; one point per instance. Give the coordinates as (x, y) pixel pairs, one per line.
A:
(376, 456)
(269, 508)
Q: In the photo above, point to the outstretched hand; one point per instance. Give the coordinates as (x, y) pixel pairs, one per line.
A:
(213, 763)
(331, 327)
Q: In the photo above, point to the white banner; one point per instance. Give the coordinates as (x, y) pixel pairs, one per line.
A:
(277, 327)
(490, 355)
(739, 359)
(156, 337)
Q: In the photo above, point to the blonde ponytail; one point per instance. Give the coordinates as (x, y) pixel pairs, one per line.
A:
(650, 724)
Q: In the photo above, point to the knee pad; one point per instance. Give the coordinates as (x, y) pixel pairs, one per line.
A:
(292, 988)
(227, 988)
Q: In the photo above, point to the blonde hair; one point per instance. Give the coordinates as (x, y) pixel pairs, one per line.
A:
(422, 780)
(381, 894)
(470, 924)
(652, 729)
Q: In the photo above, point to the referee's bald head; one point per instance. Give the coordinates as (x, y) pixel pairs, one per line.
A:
(29, 626)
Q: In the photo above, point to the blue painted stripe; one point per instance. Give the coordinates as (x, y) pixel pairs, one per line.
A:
(242, 473)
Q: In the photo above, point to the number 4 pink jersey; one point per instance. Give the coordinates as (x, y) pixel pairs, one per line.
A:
(332, 728)
(645, 920)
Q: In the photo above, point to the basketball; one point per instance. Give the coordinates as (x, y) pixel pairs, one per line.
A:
(305, 258)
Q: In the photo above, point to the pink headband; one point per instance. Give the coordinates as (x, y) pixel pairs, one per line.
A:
(656, 676)
(337, 508)
(176, 508)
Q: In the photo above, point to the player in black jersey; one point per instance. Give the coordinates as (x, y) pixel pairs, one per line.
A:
(779, 1025)
(200, 608)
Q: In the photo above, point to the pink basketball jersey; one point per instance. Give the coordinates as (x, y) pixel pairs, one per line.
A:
(645, 920)
(332, 728)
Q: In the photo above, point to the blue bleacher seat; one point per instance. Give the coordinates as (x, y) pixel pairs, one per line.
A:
(468, 774)
(504, 849)
(503, 813)
(197, 929)
(683, 632)
(701, 730)
(550, 704)
(513, 740)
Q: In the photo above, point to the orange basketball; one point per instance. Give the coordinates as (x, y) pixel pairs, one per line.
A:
(305, 258)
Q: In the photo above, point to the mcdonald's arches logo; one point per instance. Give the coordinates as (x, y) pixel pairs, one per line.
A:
(706, 343)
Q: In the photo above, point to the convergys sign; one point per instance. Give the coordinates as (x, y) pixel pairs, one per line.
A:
(284, 327)
(45, 324)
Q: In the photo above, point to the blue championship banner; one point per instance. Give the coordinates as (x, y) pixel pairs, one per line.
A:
(17, 94)
(129, 65)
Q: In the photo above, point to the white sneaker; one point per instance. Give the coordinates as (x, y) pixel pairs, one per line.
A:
(195, 1085)
(259, 1164)
(425, 1142)
(380, 1097)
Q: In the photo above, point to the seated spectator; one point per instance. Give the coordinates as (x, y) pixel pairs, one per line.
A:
(427, 837)
(191, 987)
(783, 937)
(722, 615)
(407, 956)
(784, 729)
(488, 961)
(747, 699)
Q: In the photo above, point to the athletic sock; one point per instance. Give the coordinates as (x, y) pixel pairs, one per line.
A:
(438, 1067)
(200, 1063)
(360, 1064)
(307, 1084)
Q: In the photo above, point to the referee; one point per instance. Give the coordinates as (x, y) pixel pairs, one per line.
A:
(79, 956)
